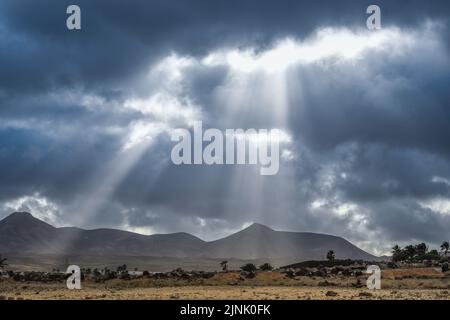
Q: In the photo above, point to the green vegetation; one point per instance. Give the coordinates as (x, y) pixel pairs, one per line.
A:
(266, 267)
(445, 248)
(3, 263)
(331, 256)
(249, 267)
(122, 268)
(224, 265)
(417, 252)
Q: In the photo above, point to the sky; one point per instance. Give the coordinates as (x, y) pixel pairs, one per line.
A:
(86, 116)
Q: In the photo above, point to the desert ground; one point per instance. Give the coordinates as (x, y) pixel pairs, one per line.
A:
(411, 283)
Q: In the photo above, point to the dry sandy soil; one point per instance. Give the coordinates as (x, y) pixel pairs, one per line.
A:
(420, 283)
(222, 292)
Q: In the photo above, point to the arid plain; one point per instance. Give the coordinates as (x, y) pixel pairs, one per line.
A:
(412, 283)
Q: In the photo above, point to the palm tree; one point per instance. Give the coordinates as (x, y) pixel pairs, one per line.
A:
(421, 249)
(445, 247)
(396, 249)
(3, 264)
(410, 252)
(397, 253)
(224, 265)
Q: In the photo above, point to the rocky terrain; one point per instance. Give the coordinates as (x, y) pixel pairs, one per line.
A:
(311, 280)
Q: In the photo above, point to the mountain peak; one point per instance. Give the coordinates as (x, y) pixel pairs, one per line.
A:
(23, 219)
(20, 215)
(258, 226)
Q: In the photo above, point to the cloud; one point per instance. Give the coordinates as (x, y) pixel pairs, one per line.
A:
(86, 116)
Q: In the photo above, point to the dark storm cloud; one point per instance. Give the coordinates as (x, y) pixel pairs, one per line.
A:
(379, 172)
(372, 133)
(398, 102)
(407, 221)
(33, 162)
(118, 40)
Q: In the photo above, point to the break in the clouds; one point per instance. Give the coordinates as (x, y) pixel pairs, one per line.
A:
(86, 116)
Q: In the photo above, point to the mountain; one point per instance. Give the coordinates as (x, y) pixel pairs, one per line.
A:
(23, 234)
(259, 241)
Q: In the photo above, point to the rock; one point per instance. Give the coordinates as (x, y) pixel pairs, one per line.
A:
(365, 294)
(358, 273)
(334, 270)
(320, 273)
(392, 265)
(331, 294)
(207, 275)
(290, 273)
(358, 284)
(301, 272)
(346, 272)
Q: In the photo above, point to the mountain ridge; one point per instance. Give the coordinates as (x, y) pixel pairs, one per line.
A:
(21, 232)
